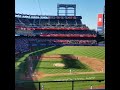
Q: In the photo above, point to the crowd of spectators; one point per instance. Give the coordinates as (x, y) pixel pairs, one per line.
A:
(55, 33)
(64, 32)
(22, 44)
(24, 25)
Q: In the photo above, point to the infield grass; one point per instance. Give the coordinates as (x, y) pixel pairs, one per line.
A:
(90, 51)
(47, 66)
(73, 65)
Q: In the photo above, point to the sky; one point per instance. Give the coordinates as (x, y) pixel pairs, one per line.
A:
(88, 9)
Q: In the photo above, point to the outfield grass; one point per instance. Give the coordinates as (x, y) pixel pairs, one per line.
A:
(74, 77)
(68, 85)
(63, 85)
(47, 66)
(90, 51)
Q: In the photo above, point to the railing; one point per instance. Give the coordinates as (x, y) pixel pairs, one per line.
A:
(70, 28)
(55, 85)
(67, 35)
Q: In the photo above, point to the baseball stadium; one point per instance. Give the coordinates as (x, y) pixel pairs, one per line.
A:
(58, 52)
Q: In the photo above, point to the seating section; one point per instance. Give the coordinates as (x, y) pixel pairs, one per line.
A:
(46, 31)
(22, 44)
(64, 33)
(48, 22)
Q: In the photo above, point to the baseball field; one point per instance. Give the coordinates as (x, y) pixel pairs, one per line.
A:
(61, 63)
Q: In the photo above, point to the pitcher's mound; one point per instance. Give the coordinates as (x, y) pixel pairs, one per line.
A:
(58, 65)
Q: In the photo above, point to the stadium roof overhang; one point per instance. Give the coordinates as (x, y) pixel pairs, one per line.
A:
(47, 16)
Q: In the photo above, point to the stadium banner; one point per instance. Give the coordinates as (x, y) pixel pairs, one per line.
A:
(100, 20)
(100, 23)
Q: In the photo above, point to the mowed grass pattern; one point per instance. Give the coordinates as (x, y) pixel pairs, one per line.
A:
(74, 77)
(68, 85)
(90, 51)
(49, 68)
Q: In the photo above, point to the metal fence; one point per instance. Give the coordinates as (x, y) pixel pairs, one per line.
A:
(59, 85)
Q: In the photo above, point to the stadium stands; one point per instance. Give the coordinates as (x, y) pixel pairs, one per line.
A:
(35, 30)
